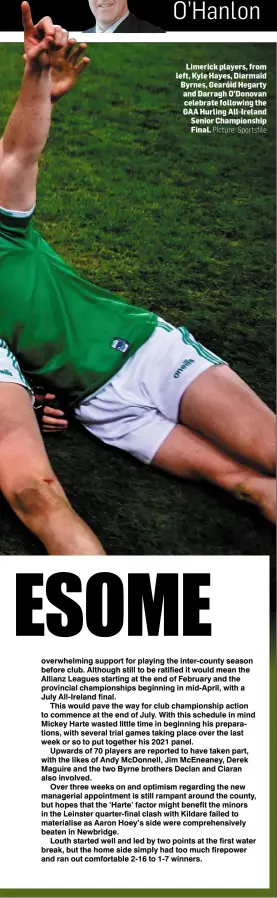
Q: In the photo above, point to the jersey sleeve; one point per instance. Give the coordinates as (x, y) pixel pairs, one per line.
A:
(10, 371)
(15, 226)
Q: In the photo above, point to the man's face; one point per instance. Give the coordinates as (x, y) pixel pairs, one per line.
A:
(107, 12)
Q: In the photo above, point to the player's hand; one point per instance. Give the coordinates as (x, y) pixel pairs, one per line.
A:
(52, 420)
(40, 39)
(67, 65)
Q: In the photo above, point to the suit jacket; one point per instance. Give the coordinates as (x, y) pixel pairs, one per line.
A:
(133, 25)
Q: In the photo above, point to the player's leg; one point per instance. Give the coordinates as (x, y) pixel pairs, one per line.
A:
(220, 406)
(190, 455)
(138, 409)
(29, 483)
(194, 387)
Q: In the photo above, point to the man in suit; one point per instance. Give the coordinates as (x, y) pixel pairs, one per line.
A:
(114, 15)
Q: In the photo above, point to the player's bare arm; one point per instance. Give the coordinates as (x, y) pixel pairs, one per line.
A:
(26, 131)
(66, 65)
(52, 66)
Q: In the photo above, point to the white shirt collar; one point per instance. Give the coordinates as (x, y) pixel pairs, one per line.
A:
(111, 27)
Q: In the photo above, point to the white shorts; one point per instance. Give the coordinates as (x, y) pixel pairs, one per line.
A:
(139, 407)
(10, 372)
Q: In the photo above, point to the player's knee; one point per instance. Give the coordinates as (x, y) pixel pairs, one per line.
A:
(34, 498)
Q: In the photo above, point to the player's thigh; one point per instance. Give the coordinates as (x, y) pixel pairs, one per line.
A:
(190, 455)
(22, 452)
(221, 406)
(183, 453)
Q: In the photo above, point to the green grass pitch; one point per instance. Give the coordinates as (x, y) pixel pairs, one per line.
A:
(180, 223)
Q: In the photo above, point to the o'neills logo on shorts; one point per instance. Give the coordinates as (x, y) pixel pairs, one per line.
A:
(185, 364)
(120, 344)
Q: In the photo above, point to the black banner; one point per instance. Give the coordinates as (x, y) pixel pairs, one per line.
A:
(183, 15)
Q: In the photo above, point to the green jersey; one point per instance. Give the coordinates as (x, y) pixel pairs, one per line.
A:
(66, 333)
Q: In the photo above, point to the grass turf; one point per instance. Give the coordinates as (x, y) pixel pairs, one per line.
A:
(182, 224)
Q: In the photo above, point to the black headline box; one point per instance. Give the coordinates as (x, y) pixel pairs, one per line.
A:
(180, 16)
